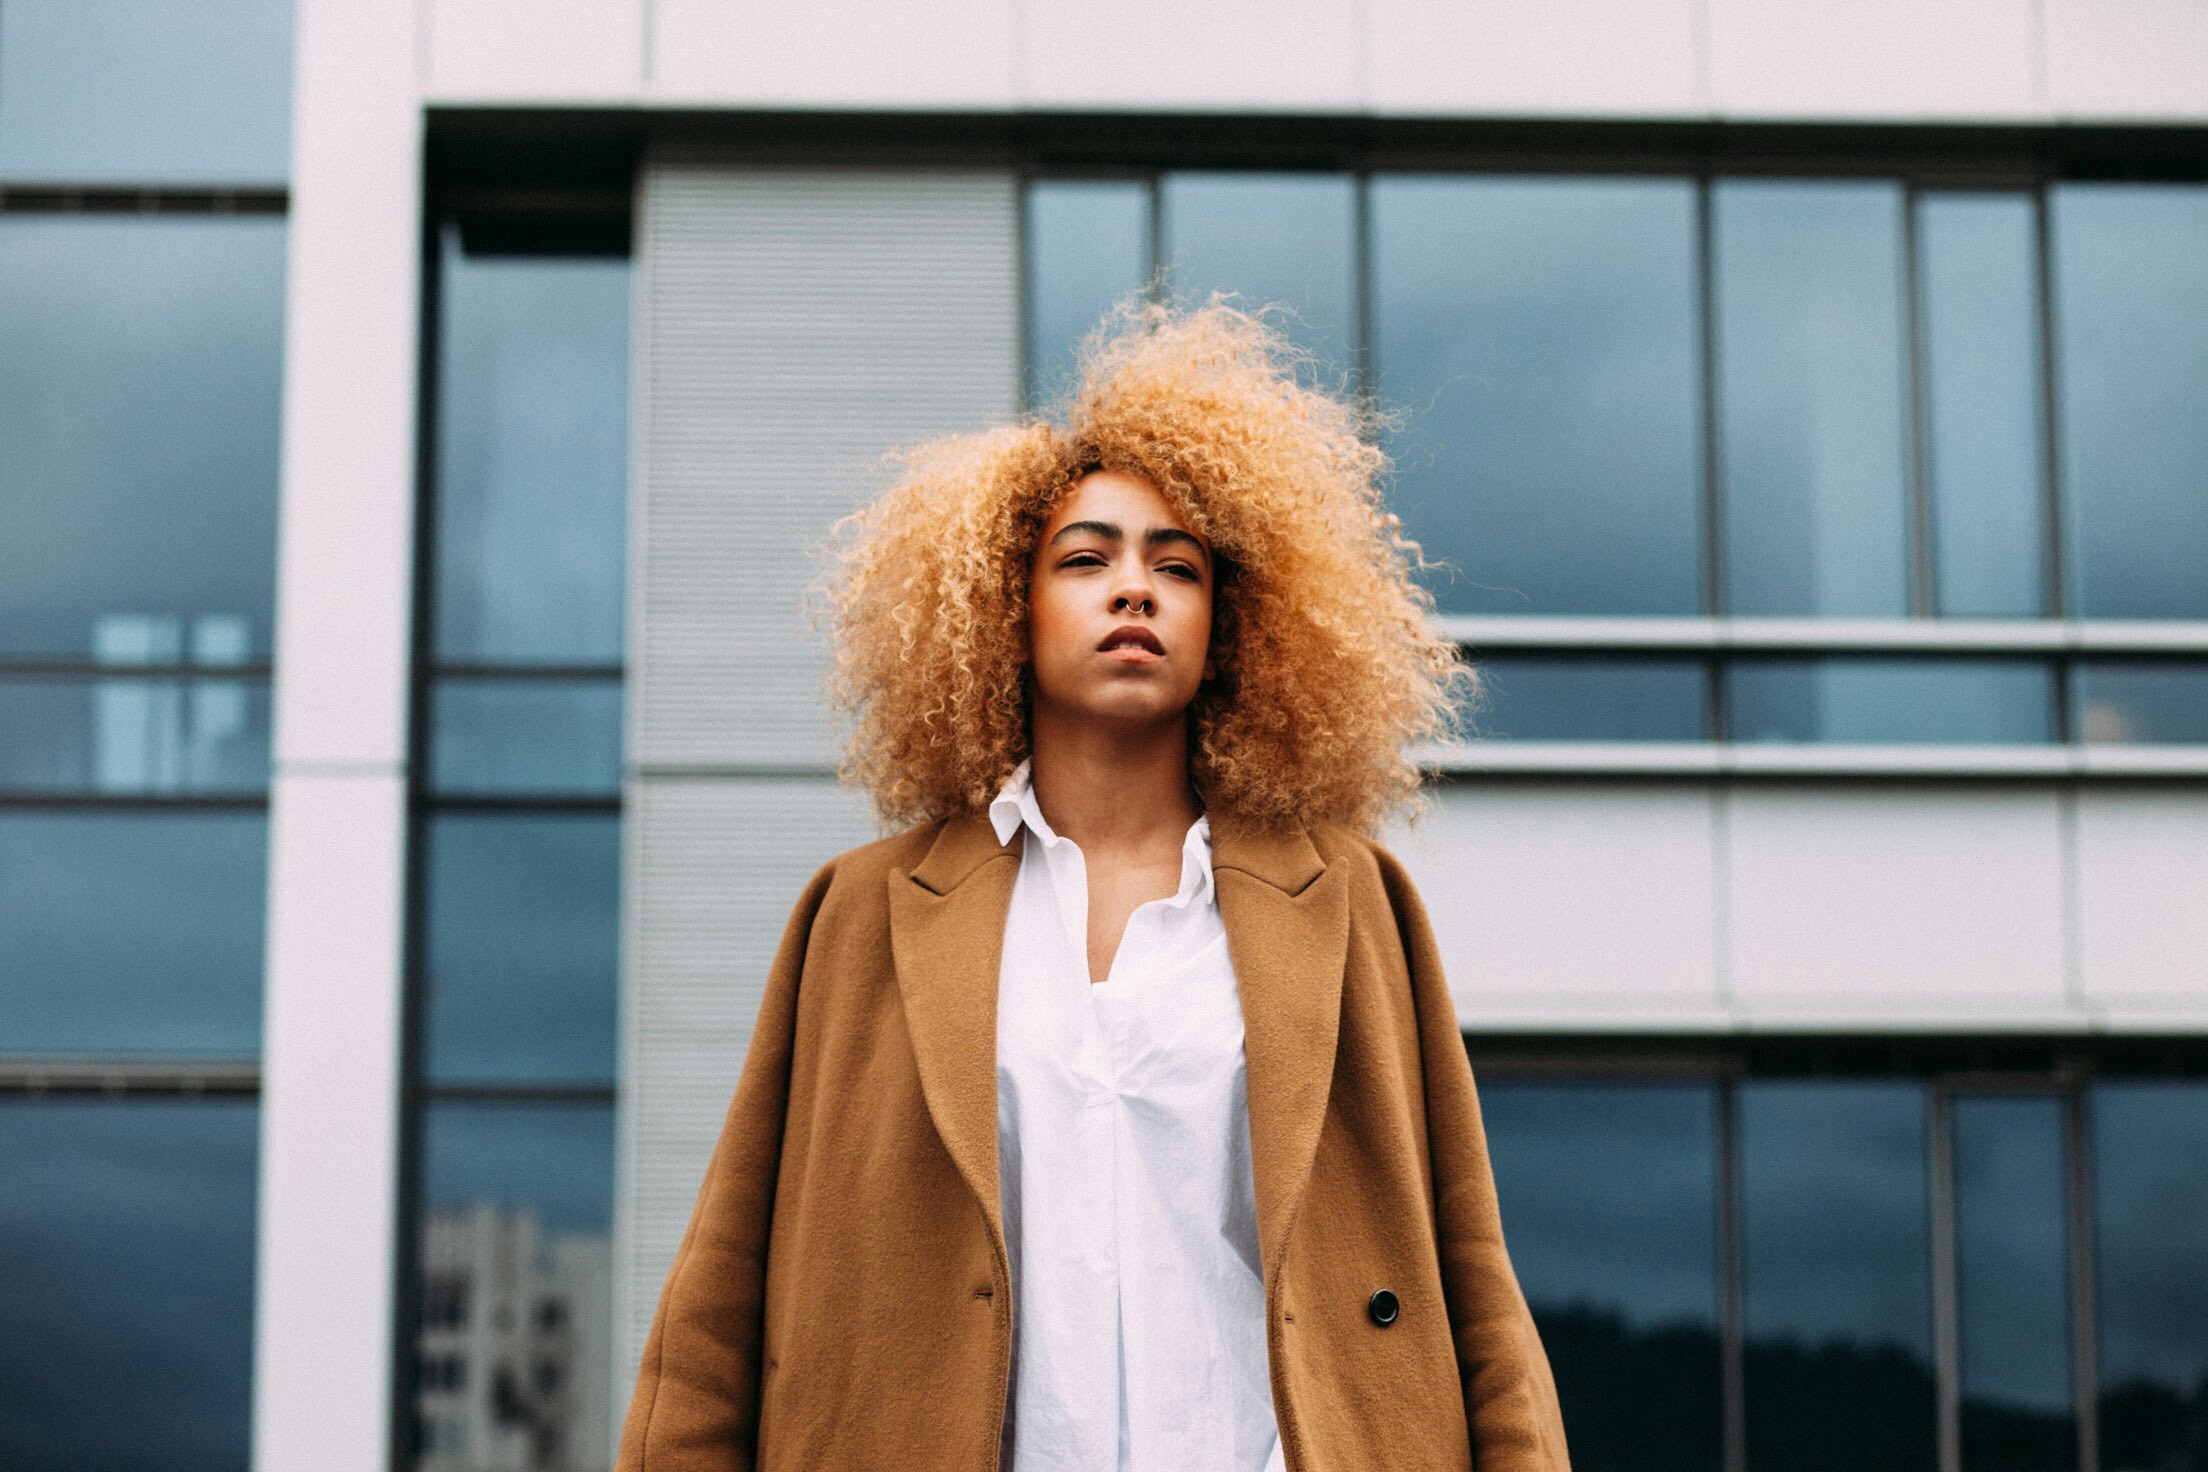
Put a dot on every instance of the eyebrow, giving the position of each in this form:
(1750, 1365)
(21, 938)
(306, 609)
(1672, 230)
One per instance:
(1157, 536)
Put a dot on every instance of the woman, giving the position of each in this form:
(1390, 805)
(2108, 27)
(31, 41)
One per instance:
(1113, 1114)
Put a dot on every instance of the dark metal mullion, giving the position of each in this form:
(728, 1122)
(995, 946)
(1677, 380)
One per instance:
(1364, 338)
(1924, 576)
(518, 1093)
(2084, 1348)
(1155, 287)
(1732, 1341)
(1713, 562)
(2056, 598)
(1946, 1290)
(522, 670)
(1023, 284)
(89, 669)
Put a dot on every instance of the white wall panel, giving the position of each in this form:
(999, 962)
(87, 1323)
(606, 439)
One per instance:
(711, 869)
(834, 53)
(533, 50)
(1243, 55)
(2144, 59)
(1875, 58)
(792, 326)
(2143, 905)
(1897, 907)
(1580, 57)
(1577, 906)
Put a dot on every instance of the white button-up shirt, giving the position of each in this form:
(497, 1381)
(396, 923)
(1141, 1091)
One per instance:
(1130, 1212)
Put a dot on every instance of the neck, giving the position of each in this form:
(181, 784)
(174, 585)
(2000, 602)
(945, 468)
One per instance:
(1111, 789)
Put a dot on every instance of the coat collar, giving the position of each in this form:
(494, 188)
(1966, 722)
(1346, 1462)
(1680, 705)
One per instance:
(1287, 924)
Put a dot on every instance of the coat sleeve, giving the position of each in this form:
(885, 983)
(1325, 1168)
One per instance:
(1509, 1394)
(696, 1405)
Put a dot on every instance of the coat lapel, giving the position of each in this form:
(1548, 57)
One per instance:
(946, 932)
(1287, 924)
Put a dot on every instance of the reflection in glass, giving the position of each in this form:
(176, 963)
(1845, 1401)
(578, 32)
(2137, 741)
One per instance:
(514, 1355)
(2131, 325)
(133, 735)
(546, 737)
(531, 456)
(1855, 699)
(1836, 1277)
(1088, 245)
(126, 1283)
(2150, 1198)
(1270, 237)
(1978, 279)
(1810, 365)
(139, 396)
(1610, 1214)
(1541, 333)
(1532, 698)
(2150, 700)
(523, 926)
(2013, 1285)
(153, 92)
(125, 932)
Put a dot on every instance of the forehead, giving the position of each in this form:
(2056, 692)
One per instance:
(1129, 501)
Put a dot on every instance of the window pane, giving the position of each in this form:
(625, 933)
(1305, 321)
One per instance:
(145, 91)
(1542, 335)
(2150, 1197)
(1271, 237)
(132, 932)
(1609, 1206)
(140, 363)
(527, 736)
(523, 929)
(1836, 1277)
(1978, 275)
(514, 1361)
(1590, 699)
(126, 1234)
(1810, 392)
(2013, 1283)
(1088, 245)
(532, 470)
(1890, 700)
(2131, 323)
(2142, 700)
(121, 735)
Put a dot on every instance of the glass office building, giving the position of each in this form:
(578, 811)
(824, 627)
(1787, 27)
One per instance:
(416, 427)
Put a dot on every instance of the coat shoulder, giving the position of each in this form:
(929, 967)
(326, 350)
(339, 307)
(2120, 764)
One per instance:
(1369, 862)
(860, 874)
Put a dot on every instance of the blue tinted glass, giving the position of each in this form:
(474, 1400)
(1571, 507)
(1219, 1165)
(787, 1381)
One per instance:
(1978, 276)
(517, 1282)
(140, 363)
(527, 736)
(1609, 1203)
(2013, 1284)
(1811, 387)
(523, 929)
(532, 469)
(145, 91)
(2141, 700)
(1890, 700)
(2150, 1201)
(1589, 699)
(121, 735)
(1836, 1276)
(126, 1284)
(132, 932)
(2131, 326)
(1541, 334)
(1088, 245)
(1270, 237)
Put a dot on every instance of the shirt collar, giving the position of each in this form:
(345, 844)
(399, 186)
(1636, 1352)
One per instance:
(1015, 804)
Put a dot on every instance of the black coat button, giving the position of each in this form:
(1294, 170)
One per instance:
(1382, 1306)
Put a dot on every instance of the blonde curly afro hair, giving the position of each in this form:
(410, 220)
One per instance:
(1328, 669)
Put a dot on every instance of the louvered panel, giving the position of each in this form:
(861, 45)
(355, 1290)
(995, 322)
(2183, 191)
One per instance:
(711, 871)
(794, 325)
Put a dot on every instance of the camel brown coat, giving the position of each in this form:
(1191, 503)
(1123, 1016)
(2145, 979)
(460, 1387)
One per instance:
(840, 1299)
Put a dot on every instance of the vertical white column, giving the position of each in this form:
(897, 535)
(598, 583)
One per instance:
(337, 821)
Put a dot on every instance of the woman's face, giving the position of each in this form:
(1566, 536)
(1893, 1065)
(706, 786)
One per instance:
(1119, 605)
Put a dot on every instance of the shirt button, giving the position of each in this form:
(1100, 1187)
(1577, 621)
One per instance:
(1382, 1306)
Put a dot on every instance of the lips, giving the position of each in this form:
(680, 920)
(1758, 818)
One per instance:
(1131, 636)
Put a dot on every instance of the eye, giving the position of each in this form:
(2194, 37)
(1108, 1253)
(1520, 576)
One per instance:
(1082, 559)
(1183, 570)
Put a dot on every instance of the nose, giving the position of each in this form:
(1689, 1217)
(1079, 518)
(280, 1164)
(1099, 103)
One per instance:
(1134, 594)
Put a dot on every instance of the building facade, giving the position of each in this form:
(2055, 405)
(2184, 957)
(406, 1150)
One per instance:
(418, 427)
